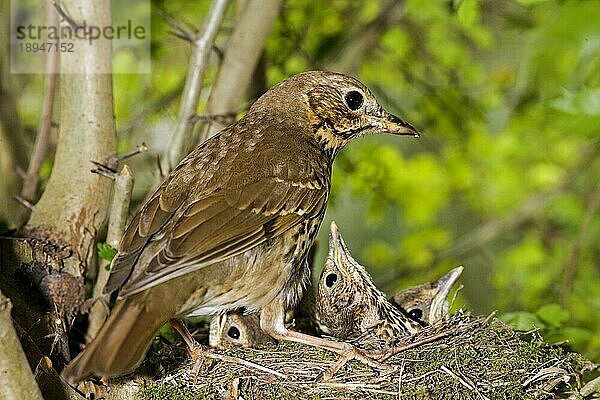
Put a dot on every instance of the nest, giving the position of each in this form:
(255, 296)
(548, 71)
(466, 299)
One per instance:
(465, 357)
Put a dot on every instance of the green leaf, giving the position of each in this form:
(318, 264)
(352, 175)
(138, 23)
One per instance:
(585, 102)
(468, 12)
(106, 251)
(553, 315)
(522, 320)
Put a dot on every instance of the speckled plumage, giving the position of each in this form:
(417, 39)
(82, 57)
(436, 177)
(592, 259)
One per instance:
(427, 303)
(231, 225)
(348, 305)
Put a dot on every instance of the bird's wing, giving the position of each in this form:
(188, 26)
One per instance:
(187, 234)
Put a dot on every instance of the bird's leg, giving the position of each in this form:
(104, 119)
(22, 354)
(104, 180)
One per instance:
(196, 352)
(272, 322)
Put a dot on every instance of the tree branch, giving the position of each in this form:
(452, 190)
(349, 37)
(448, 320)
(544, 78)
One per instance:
(179, 142)
(116, 226)
(243, 52)
(45, 125)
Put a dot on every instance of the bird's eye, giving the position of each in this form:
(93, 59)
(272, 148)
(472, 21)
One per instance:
(415, 313)
(354, 99)
(233, 333)
(330, 280)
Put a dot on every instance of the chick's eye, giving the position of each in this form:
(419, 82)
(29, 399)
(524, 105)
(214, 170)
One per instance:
(415, 313)
(354, 99)
(233, 332)
(330, 280)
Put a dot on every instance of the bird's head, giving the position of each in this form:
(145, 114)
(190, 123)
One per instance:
(428, 302)
(235, 329)
(337, 107)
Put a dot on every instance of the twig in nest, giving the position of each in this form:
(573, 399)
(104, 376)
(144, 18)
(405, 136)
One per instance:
(463, 382)
(246, 363)
(399, 349)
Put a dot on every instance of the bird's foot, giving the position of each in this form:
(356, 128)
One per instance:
(195, 350)
(352, 353)
(198, 354)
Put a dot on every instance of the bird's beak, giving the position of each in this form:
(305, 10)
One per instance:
(337, 248)
(439, 304)
(396, 126)
(336, 243)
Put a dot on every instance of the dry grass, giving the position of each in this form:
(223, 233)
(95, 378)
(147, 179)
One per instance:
(464, 358)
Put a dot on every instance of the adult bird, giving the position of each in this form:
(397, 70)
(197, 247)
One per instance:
(230, 227)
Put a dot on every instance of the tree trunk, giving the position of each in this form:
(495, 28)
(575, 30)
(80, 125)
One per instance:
(74, 204)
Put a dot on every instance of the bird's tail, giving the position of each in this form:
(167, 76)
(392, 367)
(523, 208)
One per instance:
(121, 344)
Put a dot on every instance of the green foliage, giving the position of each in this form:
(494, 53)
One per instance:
(106, 251)
(505, 177)
(552, 322)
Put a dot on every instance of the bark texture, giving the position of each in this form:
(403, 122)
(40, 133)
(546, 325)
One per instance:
(74, 204)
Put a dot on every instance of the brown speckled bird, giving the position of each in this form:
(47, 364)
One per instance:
(348, 305)
(234, 328)
(428, 302)
(230, 227)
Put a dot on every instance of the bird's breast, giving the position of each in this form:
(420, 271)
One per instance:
(254, 278)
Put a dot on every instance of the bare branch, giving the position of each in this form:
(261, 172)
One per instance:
(65, 16)
(241, 57)
(40, 148)
(201, 48)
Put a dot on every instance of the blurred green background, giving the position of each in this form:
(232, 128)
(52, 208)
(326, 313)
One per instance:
(505, 179)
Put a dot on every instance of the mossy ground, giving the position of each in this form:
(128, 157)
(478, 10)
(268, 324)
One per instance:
(470, 358)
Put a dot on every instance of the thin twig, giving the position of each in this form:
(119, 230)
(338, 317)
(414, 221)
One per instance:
(179, 31)
(25, 203)
(201, 48)
(42, 139)
(115, 160)
(66, 17)
(246, 363)
(463, 382)
(399, 349)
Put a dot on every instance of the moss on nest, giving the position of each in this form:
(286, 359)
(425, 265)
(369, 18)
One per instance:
(470, 358)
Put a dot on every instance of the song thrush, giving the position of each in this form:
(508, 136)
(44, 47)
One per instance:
(230, 227)
(234, 328)
(348, 305)
(428, 302)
